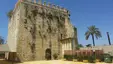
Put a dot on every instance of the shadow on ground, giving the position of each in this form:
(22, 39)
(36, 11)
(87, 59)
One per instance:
(2, 61)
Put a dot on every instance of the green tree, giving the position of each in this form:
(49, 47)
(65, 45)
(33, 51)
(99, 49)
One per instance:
(93, 31)
(79, 46)
(1, 40)
(88, 45)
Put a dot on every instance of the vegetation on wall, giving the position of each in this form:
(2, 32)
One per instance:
(9, 14)
(46, 14)
(49, 15)
(30, 15)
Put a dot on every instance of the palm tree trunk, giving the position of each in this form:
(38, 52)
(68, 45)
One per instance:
(108, 38)
(93, 40)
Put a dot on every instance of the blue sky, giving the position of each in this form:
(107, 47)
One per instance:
(84, 13)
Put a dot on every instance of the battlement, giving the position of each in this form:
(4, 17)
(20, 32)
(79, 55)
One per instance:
(49, 5)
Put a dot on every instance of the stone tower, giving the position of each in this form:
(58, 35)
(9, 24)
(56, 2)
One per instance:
(37, 30)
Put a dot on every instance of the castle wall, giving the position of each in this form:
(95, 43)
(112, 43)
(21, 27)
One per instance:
(13, 30)
(106, 48)
(38, 29)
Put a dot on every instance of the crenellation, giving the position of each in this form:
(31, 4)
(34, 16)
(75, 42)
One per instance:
(50, 7)
(49, 4)
(35, 1)
(53, 6)
(39, 3)
(44, 2)
(57, 7)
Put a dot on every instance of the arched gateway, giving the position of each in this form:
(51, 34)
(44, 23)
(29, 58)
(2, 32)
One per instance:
(48, 54)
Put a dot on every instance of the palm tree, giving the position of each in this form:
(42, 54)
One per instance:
(108, 38)
(93, 31)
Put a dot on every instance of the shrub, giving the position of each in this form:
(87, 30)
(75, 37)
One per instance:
(81, 55)
(85, 57)
(75, 57)
(91, 58)
(55, 56)
(68, 57)
(2, 55)
(101, 57)
(107, 58)
(80, 58)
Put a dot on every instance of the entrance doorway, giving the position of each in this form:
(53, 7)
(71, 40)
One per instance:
(48, 54)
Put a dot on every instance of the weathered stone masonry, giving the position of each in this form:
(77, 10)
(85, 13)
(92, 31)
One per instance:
(36, 28)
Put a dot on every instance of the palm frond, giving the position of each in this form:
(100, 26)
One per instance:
(98, 34)
(87, 34)
(93, 30)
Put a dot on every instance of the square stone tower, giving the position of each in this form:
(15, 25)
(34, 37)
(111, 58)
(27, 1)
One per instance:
(37, 30)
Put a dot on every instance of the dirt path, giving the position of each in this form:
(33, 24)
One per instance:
(49, 62)
(52, 62)
(59, 62)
